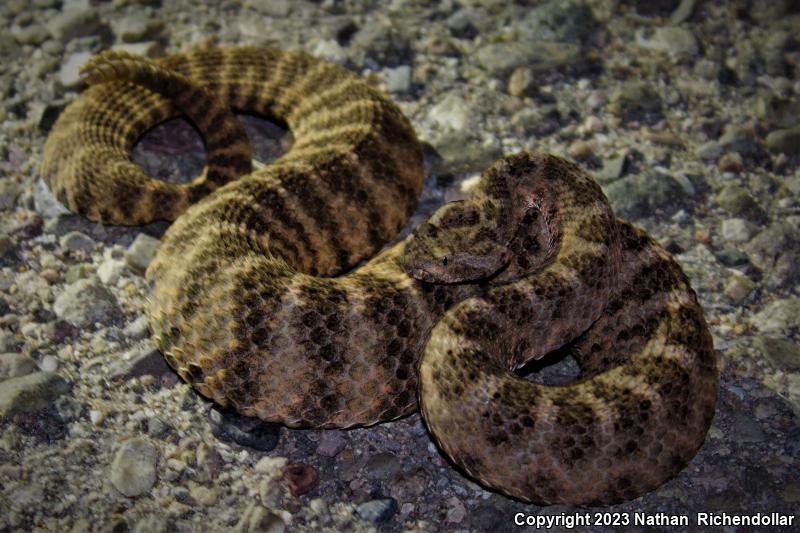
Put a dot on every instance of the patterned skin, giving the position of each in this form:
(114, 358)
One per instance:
(244, 310)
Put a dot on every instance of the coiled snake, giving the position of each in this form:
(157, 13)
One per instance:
(245, 308)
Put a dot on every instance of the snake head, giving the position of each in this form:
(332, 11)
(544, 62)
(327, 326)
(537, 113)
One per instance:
(459, 243)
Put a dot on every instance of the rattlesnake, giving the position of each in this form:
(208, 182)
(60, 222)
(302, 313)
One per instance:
(244, 308)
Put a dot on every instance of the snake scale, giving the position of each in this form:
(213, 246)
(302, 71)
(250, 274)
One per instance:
(256, 303)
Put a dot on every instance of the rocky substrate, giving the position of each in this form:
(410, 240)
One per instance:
(688, 113)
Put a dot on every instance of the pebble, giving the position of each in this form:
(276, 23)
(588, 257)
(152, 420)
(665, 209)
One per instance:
(9, 191)
(642, 195)
(580, 150)
(300, 478)
(683, 12)
(462, 153)
(737, 230)
(785, 141)
(778, 316)
(158, 428)
(73, 23)
(86, 302)
(730, 162)
(208, 463)
(746, 428)
(500, 59)
(13, 365)
(30, 393)
(569, 21)
(709, 151)
(382, 44)
(69, 75)
(331, 442)
(522, 83)
(138, 26)
(456, 511)
(137, 329)
(330, 50)
(382, 465)
(76, 241)
(398, 79)
(739, 138)
(738, 288)
(452, 112)
(133, 471)
(776, 251)
(613, 168)
(112, 267)
(33, 34)
(145, 360)
(259, 519)
(739, 202)
(677, 41)
(781, 352)
(230, 426)
(49, 363)
(140, 252)
(635, 101)
(378, 510)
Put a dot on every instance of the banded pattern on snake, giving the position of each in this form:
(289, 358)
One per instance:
(244, 307)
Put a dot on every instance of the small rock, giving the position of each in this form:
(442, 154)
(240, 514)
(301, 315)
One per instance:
(272, 8)
(14, 365)
(785, 141)
(300, 478)
(730, 162)
(30, 393)
(138, 329)
(456, 512)
(398, 79)
(738, 288)
(74, 273)
(73, 23)
(746, 429)
(500, 59)
(779, 316)
(570, 21)
(158, 428)
(143, 360)
(709, 151)
(49, 363)
(683, 12)
(33, 34)
(208, 463)
(382, 44)
(151, 49)
(271, 466)
(522, 83)
(635, 101)
(377, 511)
(331, 443)
(112, 267)
(69, 74)
(613, 168)
(738, 202)
(206, 496)
(776, 251)
(382, 466)
(677, 41)
(643, 195)
(330, 50)
(140, 252)
(133, 471)
(8, 252)
(737, 230)
(739, 138)
(580, 150)
(151, 524)
(9, 191)
(138, 26)
(86, 302)
(75, 241)
(463, 153)
(259, 519)
(227, 425)
(451, 112)
(780, 351)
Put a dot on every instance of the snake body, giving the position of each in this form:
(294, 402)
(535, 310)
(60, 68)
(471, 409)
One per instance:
(245, 309)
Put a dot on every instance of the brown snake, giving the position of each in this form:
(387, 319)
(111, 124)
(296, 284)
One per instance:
(244, 308)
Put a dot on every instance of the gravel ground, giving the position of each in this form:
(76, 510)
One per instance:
(688, 112)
